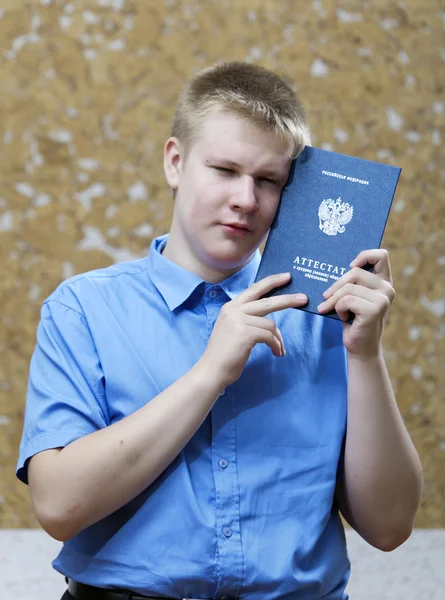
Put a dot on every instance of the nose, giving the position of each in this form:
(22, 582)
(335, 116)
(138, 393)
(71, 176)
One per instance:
(245, 197)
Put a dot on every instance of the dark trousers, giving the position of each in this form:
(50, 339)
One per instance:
(86, 592)
(91, 594)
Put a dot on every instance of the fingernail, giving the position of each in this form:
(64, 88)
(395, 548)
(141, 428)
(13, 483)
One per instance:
(352, 264)
(284, 275)
(300, 297)
(327, 293)
(321, 306)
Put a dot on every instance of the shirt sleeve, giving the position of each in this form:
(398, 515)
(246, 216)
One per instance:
(66, 387)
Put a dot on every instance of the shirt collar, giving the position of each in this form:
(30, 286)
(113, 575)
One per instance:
(176, 284)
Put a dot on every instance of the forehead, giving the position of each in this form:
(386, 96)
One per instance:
(229, 136)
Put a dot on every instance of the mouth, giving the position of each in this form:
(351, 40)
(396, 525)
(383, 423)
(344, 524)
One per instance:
(239, 226)
(238, 230)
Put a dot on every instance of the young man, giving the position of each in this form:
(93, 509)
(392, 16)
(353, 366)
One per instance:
(187, 438)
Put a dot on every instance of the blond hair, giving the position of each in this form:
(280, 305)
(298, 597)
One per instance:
(252, 92)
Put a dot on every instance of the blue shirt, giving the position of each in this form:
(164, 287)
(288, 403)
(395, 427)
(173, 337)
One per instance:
(246, 509)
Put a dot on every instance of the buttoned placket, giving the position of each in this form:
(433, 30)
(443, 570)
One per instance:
(227, 500)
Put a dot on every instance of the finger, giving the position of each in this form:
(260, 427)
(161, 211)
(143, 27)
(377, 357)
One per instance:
(264, 336)
(265, 306)
(364, 278)
(268, 324)
(379, 258)
(375, 297)
(258, 289)
(360, 307)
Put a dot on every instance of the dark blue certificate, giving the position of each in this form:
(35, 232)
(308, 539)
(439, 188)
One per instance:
(332, 207)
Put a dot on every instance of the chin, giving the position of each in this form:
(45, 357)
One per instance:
(222, 253)
(228, 260)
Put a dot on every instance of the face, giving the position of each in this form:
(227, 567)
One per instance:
(227, 192)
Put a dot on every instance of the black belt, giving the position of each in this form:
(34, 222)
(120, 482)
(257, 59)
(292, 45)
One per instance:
(81, 591)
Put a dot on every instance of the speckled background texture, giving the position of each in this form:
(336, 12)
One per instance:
(88, 89)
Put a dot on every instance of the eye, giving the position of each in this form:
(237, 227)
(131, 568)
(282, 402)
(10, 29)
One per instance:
(268, 180)
(225, 170)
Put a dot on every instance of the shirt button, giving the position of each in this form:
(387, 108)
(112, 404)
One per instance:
(213, 293)
(223, 463)
(227, 532)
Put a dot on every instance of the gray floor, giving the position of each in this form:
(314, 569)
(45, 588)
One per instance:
(415, 571)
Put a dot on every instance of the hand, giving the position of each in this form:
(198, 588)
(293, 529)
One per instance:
(241, 325)
(369, 296)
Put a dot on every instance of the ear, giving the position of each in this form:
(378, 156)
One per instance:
(173, 155)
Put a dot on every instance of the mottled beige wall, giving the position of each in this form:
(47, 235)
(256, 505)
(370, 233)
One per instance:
(87, 91)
